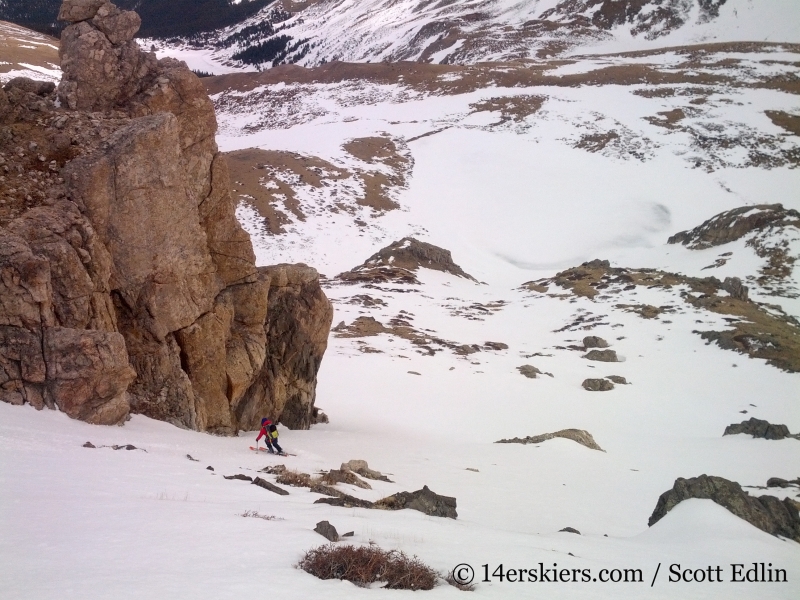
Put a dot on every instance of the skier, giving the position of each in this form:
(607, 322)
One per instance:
(270, 433)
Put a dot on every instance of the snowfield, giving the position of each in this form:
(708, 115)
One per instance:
(519, 182)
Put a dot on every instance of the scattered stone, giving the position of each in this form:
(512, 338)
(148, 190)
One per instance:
(209, 468)
(529, 371)
(569, 530)
(473, 470)
(759, 428)
(414, 373)
(617, 379)
(270, 486)
(495, 345)
(335, 476)
(346, 501)
(592, 341)
(190, 457)
(424, 500)
(597, 385)
(576, 435)
(240, 477)
(89, 445)
(361, 468)
(126, 447)
(327, 531)
(768, 513)
(349, 534)
(602, 355)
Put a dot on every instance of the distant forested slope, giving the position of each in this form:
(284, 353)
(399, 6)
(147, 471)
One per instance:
(160, 18)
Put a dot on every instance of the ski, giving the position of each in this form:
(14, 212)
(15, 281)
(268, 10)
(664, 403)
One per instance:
(275, 453)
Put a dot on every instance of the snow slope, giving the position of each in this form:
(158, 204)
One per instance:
(518, 181)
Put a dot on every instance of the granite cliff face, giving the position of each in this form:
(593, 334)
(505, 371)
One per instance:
(126, 283)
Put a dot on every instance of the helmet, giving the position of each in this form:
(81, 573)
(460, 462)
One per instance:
(264, 421)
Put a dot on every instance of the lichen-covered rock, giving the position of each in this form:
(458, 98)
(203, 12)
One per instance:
(597, 385)
(768, 513)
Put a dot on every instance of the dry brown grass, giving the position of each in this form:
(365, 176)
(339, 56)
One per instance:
(363, 565)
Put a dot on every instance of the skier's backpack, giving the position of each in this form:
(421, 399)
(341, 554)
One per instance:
(273, 431)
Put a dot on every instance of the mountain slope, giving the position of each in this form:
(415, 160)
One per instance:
(470, 31)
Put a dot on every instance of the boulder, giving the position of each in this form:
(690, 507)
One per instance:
(31, 86)
(759, 428)
(617, 379)
(361, 468)
(768, 513)
(569, 530)
(335, 476)
(602, 355)
(592, 341)
(263, 483)
(327, 531)
(73, 11)
(119, 26)
(597, 385)
(733, 285)
(424, 500)
(88, 374)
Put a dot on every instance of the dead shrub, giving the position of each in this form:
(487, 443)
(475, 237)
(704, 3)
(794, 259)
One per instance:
(294, 478)
(363, 565)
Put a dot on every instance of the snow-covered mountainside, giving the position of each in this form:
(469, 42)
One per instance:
(469, 31)
(624, 236)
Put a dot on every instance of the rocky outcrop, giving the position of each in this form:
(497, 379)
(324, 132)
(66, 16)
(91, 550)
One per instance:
(581, 436)
(733, 224)
(768, 513)
(759, 428)
(299, 317)
(399, 262)
(127, 283)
